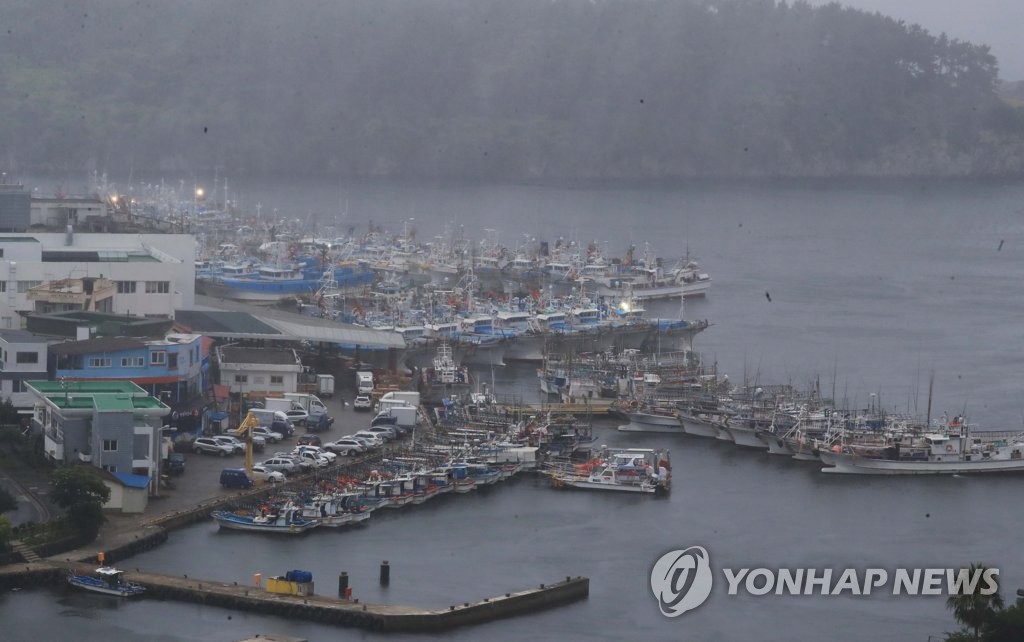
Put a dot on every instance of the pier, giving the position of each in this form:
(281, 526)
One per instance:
(319, 608)
(597, 407)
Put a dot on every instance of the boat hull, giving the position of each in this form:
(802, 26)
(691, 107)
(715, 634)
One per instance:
(746, 437)
(844, 463)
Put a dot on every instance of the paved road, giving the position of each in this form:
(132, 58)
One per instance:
(30, 508)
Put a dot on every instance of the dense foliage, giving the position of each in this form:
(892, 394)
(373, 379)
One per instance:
(492, 88)
(80, 490)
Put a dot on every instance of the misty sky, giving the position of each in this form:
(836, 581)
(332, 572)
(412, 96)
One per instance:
(996, 23)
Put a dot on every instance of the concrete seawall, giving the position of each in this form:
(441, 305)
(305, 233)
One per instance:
(317, 608)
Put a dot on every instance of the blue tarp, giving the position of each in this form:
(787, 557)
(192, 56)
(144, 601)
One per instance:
(132, 481)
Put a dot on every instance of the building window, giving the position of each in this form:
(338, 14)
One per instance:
(172, 360)
(26, 357)
(1, 252)
(3, 286)
(158, 287)
(276, 380)
(109, 445)
(25, 286)
(99, 362)
(158, 357)
(126, 287)
(109, 468)
(241, 378)
(132, 362)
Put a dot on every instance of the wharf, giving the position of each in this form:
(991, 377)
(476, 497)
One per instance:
(330, 610)
(596, 407)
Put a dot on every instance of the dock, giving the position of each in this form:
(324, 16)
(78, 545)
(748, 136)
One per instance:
(596, 407)
(319, 608)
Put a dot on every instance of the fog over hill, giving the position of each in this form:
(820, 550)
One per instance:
(525, 90)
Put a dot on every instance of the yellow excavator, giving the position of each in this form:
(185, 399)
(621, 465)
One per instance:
(245, 429)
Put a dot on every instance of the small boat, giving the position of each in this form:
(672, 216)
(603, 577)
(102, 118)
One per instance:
(286, 520)
(633, 470)
(107, 580)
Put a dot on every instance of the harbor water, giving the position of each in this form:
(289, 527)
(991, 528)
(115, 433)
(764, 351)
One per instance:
(868, 288)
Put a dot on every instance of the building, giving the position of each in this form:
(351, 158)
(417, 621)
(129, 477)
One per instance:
(87, 294)
(22, 358)
(15, 206)
(169, 368)
(112, 425)
(59, 212)
(151, 274)
(247, 370)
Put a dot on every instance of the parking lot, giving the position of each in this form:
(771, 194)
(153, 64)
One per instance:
(201, 479)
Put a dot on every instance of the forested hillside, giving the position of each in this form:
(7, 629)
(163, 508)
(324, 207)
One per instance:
(524, 89)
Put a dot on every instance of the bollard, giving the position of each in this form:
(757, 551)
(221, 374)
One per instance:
(385, 573)
(342, 584)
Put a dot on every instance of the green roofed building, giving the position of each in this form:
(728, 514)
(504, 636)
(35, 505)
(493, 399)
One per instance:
(113, 425)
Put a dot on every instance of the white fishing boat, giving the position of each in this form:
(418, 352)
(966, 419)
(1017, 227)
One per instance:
(943, 455)
(633, 470)
(107, 580)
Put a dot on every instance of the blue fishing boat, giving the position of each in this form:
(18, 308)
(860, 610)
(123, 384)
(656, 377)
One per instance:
(287, 519)
(107, 580)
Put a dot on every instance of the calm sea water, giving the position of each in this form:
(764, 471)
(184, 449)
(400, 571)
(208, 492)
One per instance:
(873, 288)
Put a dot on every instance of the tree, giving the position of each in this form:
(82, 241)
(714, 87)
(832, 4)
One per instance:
(7, 501)
(974, 610)
(5, 531)
(80, 490)
(1006, 625)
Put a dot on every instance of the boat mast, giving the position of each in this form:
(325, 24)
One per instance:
(928, 418)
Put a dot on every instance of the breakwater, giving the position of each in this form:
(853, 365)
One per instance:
(319, 608)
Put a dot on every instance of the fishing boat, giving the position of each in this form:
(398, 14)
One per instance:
(942, 454)
(287, 519)
(633, 470)
(107, 580)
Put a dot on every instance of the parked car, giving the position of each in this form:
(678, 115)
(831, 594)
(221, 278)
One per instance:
(316, 459)
(297, 416)
(366, 443)
(175, 463)
(321, 424)
(235, 478)
(285, 465)
(362, 402)
(211, 446)
(259, 471)
(387, 433)
(318, 450)
(267, 434)
(345, 446)
(373, 438)
(237, 447)
(303, 464)
(309, 440)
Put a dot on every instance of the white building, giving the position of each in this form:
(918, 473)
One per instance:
(22, 358)
(154, 274)
(258, 370)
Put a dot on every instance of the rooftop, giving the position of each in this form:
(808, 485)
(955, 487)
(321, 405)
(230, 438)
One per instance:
(20, 336)
(266, 356)
(94, 346)
(110, 386)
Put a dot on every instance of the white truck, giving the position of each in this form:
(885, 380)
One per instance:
(364, 382)
(310, 403)
(325, 385)
(403, 406)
